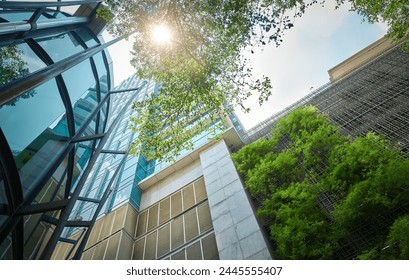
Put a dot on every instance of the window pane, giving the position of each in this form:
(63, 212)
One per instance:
(163, 240)
(139, 249)
(141, 229)
(188, 197)
(194, 251)
(16, 16)
(209, 248)
(60, 46)
(164, 210)
(153, 217)
(35, 135)
(191, 230)
(176, 204)
(200, 190)
(80, 83)
(177, 232)
(83, 108)
(102, 74)
(18, 61)
(205, 220)
(87, 37)
(150, 249)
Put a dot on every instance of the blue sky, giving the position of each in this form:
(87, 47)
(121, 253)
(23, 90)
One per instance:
(321, 39)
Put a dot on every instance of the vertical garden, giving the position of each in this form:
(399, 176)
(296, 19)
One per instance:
(324, 195)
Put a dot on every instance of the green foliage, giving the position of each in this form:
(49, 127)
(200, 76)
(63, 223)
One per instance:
(12, 67)
(251, 155)
(396, 245)
(202, 67)
(398, 238)
(304, 166)
(105, 13)
(300, 229)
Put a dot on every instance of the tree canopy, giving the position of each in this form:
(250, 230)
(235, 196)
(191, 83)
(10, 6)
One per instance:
(321, 192)
(202, 67)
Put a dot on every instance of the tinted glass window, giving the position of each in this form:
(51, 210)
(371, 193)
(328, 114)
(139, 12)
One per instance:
(59, 46)
(80, 83)
(16, 62)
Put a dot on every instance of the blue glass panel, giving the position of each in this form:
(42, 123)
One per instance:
(16, 62)
(60, 46)
(14, 16)
(102, 74)
(80, 83)
(55, 14)
(23, 122)
(136, 197)
(87, 37)
(31, 131)
(121, 195)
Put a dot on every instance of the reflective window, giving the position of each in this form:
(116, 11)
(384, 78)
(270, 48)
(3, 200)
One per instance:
(60, 46)
(80, 83)
(30, 130)
(54, 14)
(87, 37)
(122, 195)
(14, 16)
(102, 74)
(83, 108)
(16, 62)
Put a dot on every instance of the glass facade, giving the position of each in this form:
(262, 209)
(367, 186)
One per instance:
(42, 127)
(51, 133)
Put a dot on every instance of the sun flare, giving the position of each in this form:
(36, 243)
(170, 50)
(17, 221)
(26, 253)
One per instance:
(161, 34)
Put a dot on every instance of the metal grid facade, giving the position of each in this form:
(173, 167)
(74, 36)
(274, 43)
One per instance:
(373, 98)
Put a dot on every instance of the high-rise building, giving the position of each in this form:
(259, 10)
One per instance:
(64, 162)
(188, 209)
(55, 87)
(68, 187)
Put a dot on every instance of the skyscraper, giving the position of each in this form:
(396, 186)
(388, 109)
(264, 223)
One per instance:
(167, 210)
(57, 113)
(56, 79)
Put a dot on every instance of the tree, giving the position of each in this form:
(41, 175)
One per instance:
(202, 67)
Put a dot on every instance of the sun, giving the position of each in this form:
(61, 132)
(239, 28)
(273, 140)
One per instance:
(161, 34)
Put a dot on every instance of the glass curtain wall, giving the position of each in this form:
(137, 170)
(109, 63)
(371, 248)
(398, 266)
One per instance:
(42, 128)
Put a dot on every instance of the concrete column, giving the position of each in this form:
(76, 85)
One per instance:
(238, 235)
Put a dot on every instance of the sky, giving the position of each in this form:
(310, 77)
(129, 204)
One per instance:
(320, 40)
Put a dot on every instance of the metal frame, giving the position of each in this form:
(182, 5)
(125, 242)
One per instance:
(17, 207)
(63, 219)
(33, 5)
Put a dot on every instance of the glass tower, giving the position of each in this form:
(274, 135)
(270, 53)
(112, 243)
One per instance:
(55, 88)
